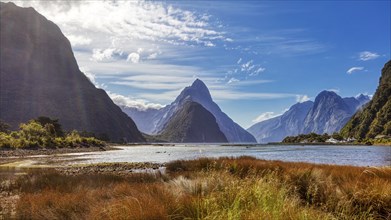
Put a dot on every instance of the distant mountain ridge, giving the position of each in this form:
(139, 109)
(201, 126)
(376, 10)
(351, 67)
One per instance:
(327, 114)
(375, 118)
(39, 76)
(198, 92)
(192, 124)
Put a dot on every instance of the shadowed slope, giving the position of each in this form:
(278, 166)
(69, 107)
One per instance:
(39, 76)
(193, 123)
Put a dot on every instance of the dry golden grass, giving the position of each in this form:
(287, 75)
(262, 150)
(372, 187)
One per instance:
(225, 188)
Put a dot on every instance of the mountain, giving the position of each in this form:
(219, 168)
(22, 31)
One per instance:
(192, 124)
(39, 76)
(327, 114)
(197, 92)
(144, 118)
(288, 124)
(375, 118)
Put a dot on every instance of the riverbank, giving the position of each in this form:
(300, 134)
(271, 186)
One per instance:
(242, 188)
(9, 152)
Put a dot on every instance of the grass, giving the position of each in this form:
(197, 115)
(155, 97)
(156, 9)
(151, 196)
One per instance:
(225, 188)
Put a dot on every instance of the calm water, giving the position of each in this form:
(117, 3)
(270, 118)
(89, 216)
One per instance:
(342, 155)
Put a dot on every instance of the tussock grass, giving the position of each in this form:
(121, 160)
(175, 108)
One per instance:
(225, 188)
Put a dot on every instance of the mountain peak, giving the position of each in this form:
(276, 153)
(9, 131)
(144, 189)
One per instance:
(361, 97)
(198, 90)
(198, 84)
(327, 93)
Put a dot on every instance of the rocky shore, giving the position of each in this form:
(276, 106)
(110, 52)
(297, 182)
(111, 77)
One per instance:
(4, 153)
(121, 169)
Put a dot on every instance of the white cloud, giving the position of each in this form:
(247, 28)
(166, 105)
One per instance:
(354, 69)
(233, 80)
(152, 56)
(132, 102)
(140, 50)
(258, 71)
(249, 68)
(146, 20)
(225, 94)
(245, 66)
(78, 40)
(133, 57)
(151, 85)
(236, 82)
(265, 116)
(109, 54)
(302, 98)
(367, 55)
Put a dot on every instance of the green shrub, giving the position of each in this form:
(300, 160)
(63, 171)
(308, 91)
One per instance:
(5, 140)
(42, 134)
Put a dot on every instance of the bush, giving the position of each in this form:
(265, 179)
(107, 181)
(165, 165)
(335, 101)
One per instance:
(5, 140)
(42, 134)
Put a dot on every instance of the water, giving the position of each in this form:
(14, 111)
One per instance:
(341, 155)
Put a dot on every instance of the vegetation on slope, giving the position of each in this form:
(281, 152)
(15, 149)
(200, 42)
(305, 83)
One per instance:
(43, 132)
(225, 188)
(375, 118)
(312, 138)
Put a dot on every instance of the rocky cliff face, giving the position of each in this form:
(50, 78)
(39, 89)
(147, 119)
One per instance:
(375, 118)
(192, 123)
(39, 76)
(328, 114)
(288, 124)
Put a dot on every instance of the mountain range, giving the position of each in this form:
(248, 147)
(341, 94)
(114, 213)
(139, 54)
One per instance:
(375, 118)
(154, 121)
(39, 76)
(327, 114)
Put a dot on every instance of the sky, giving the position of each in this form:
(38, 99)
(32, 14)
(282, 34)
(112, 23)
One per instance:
(258, 58)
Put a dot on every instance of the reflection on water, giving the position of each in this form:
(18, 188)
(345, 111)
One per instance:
(342, 155)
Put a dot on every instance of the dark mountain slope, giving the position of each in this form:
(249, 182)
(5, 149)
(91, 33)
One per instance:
(192, 124)
(39, 76)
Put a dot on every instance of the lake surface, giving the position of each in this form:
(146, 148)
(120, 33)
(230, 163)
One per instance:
(341, 155)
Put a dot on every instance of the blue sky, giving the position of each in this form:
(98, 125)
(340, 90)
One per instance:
(257, 57)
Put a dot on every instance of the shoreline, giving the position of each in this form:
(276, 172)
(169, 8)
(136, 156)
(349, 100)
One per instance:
(21, 153)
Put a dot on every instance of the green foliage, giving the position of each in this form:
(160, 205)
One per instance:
(337, 136)
(307, 138)
(375, 118)
(41, 133)
(4, 127)
(53, 122)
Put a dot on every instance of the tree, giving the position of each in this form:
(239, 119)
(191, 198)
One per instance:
(56, 125)
(4, 127)
(337, 136)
